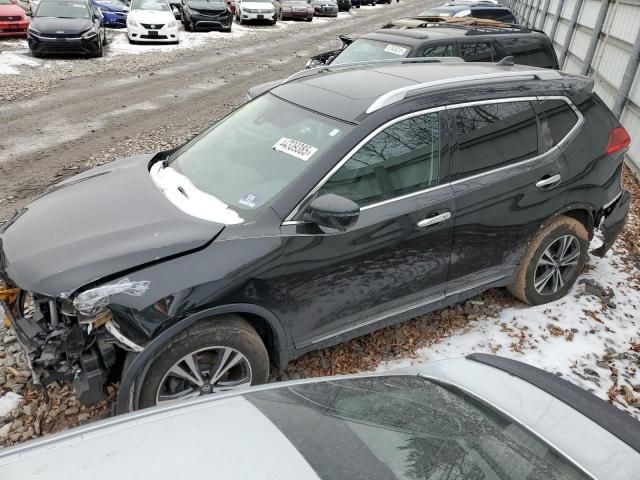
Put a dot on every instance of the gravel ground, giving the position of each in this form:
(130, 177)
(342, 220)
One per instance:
(54, 128)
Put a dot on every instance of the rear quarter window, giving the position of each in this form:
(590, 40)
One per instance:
(530, 51)
(478, 52)
(559, 119)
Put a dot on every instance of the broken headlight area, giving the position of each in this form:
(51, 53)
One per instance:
(62, 345)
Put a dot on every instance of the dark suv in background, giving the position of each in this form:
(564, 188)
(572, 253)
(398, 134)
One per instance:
(340, 202)
(476, 41)
(485, 10)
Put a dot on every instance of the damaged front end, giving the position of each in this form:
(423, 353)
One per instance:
(68, 340)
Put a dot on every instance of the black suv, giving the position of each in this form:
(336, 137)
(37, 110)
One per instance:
(338, 203)
(484, 10)
(474, 42)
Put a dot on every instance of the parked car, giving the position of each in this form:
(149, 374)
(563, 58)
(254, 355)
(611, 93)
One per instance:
(343, 201)
(249, 10)
(13, 19)
(324, 8)
(67, 27)
(152, 21)
(356, 3)
(482, 417)
(411, 37)
(292, 9)
(344, 5)
(206, 15)
(368, 2)
(114, 12)
(485, 10)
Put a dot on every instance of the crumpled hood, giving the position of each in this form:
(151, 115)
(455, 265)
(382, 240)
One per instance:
(69, 26)
(103, 222)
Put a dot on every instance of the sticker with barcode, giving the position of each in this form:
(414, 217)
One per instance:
(293, 147)
(396, 50)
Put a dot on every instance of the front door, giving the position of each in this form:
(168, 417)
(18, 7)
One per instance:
(395, 257)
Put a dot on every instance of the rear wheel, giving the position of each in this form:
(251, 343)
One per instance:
(552, 262)
(218, 356)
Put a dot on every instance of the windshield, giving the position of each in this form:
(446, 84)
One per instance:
(154, 5)
(253, 154)
(365, 49)
(406, 428)
(59, 9)
(6, 2)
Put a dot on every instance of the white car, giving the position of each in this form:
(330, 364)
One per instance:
(151, 21)
(256, 10)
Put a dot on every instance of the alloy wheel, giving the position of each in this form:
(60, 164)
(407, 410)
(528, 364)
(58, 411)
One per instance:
(205, 371)
(557, 265)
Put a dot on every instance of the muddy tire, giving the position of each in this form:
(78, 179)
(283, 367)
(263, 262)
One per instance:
(217, 356)
(552, 262)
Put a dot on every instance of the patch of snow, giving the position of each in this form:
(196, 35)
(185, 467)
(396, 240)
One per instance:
(10, 60)
(8, 403)
(568, 337)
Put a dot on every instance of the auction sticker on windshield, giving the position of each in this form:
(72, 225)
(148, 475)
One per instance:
(293, 147)
(396, 50)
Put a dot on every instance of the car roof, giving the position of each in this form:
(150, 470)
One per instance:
(469, 6)
(195, 438)
(417, 36)
(347, 93)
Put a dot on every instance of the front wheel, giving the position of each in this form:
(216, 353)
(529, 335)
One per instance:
(222, 355)
(551, 262)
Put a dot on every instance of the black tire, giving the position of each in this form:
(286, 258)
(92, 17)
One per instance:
(230, 331)
(533, 267)
(310, 19)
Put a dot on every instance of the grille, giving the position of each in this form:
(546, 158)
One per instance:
(152, 26)
(154, 37)
(59, 35)
(10, 19)
(210, 13)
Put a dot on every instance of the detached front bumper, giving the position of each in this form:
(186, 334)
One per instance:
(212, 22)
(611, 222)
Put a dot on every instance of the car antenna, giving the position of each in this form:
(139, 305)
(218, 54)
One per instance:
(506, 62)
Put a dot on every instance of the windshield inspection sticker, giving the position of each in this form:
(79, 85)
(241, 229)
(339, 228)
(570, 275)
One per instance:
(297, 149)
(249, 200)
(396, 50)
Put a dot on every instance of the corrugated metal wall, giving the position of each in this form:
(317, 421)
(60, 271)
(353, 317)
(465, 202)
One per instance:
(600, 38)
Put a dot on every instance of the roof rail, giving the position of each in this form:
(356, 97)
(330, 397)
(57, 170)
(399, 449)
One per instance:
(364, 63)
(400, 94)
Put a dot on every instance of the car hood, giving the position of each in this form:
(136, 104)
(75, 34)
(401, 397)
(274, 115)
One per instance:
(11, 11)
(66, 25)
(152, 16)
(207, 6)
(104, 222)
(257, 5)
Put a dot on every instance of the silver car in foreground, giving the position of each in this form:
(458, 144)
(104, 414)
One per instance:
(482, 417)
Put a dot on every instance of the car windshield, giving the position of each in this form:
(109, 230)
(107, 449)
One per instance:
(6, 2)
(365, 49)
(406, 428)
(154, 5)
(67, 9)
(249, 157)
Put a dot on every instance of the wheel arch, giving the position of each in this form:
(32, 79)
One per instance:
(267, 324)
(583, 212)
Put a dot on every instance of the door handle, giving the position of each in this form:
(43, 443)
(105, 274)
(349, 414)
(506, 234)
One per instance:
(435, 220)
(549, 182)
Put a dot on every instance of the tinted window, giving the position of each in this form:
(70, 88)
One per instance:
(406, 428)
(479, 52)
(530, 51)
(399, 160)
(494, 135)
(71, 9)
(435, 51)
(559, 121)
(497, 14)
(365, 49)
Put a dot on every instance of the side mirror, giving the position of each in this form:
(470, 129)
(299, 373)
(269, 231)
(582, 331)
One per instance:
(332, 211)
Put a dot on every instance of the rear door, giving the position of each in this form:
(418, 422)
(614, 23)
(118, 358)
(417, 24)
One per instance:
(506, 185)
(396, 257)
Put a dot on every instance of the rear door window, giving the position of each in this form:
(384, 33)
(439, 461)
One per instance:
(529, 51)
(494, 135)
(478, 52)
(442, 50)
(559, 118)
(402, 159)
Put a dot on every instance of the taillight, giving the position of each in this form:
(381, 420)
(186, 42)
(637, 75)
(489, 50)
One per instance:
(618, 140)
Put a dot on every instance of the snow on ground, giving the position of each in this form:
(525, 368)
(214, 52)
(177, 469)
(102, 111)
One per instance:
(8, 403)
(10, 60)
(588, 337)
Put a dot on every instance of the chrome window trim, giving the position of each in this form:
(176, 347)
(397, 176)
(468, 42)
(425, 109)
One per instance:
(557, 147)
